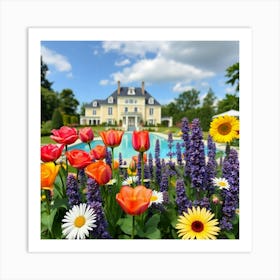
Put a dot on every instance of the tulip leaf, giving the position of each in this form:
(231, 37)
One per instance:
(60, 203)
(47, 219)
(152, 222)
(153, 233)
(126, 224)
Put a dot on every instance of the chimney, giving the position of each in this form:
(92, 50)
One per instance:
(143, 88)
(119, 87)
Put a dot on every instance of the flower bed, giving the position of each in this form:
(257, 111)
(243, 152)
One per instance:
(188, 195)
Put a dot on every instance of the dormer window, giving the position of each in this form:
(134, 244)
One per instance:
(110, 99)
(151, 100)
(94, 104)
(131, 91)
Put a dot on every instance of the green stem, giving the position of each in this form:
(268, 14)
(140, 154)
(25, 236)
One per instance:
(142, 167)
(89, 145)
(133, 226)
(66, 149)
(47, 202)
(63, 186)
(112, 148)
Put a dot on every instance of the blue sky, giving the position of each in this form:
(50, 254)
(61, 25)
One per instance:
(92, 68)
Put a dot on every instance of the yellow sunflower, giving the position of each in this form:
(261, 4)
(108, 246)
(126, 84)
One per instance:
(224, 129)
(197, 224)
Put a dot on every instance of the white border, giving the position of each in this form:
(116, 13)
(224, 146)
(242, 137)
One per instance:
(243, 35)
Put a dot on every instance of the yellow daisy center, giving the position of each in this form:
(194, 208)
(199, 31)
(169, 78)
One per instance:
(197, 226)
(153, 198)
(79, 221)
(224, 128)
(222, 184)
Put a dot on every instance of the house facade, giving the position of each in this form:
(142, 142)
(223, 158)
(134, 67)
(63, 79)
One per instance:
(126, 106)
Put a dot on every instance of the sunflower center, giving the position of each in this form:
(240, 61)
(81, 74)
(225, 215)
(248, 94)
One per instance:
(79, 221)
(197, 226)
(224, 128)
(153, 198)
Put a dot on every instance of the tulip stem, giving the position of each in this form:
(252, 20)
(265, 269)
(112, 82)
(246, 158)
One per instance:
(66, 149)
(89, 145)
(112, 164)
(133, 226)
(142, 167)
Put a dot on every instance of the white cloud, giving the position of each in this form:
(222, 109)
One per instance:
(55, 59)
(122, 62)
(95, 52)
(181, 87)
(159, 70)
(104, 82)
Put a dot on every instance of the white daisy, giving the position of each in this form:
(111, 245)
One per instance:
(78, 221)
(157, 198)
(221, 183)
(130, 180)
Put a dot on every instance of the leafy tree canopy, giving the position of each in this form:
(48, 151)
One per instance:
(233, 75)
(44, 81)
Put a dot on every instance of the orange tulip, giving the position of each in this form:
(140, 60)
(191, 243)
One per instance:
(135, 158)
(116, 164)
(112, 138)
(141, 141)
(49, 172)
(98, 152)
(134, 201)
(99, 171)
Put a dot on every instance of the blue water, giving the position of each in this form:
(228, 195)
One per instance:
(126, 147)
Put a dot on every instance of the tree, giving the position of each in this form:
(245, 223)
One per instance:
(57, 120)
(49, 101)
(44, 81)
(68, 103)
(209, 99)
(230, 102)
(233, 75)
(187, 100)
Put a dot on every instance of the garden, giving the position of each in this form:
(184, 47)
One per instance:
(192, 193)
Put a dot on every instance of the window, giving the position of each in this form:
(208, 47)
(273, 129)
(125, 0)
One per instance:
(151, 111)
(110, 111)
(94, 112)
(94, 104)
(135, 109)
(126, 101)
(151, 100)
(110, 99)
(131, 91)
(125, 109)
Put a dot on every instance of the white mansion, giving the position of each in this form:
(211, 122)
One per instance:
(126, 106)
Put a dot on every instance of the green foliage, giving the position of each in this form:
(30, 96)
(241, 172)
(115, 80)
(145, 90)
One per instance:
(68, 103)
(230, 102)
(57, 120)
(187, 100)
(45, 83)
(233, 75)
(49, 101)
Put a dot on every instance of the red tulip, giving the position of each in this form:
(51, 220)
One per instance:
(99, 152)
(86, 134)
(134, 201)
(112, 138)
(51, 152)
(78, 158)
(99, 171)
(141, 141)
(65, 135)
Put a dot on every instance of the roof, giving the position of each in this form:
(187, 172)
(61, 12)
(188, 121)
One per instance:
(124, 92)
(233, 113)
